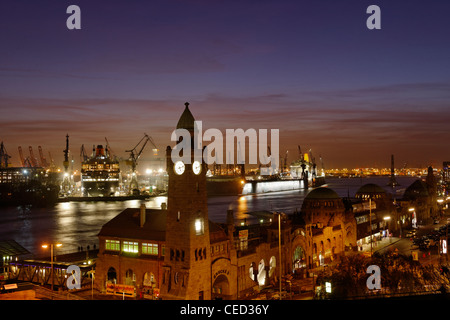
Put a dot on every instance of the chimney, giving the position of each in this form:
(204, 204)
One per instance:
(142, 215)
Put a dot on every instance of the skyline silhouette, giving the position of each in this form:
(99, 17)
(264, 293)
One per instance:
(312, 70)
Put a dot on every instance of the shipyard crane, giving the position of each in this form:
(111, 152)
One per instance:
(83, 156)
(23, 161)
(109, 151)
(43, 160)
(4, 157)
(33, 159)
(66, 183)
(134, 156)
(285, 161)
(312, 160)
(241, 162)
(52, 162)
(66, 154)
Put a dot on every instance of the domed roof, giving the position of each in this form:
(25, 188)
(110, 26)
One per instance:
(322, 193)
(186, 120)
(417, 189)
(370, 188)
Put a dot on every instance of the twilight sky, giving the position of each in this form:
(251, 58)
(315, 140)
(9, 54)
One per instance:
(309, 68)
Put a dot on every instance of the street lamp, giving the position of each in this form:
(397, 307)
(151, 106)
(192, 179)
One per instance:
(45, 246)
(279, 245)
(370, 222)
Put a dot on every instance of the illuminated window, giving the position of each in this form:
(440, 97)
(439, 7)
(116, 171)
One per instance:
(150, 248)
(199, 228)
(112, 245)
(129, 246)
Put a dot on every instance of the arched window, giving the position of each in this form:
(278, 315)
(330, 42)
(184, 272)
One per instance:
(272, 264)
(111, 275)
(149, 279)
(130, 277)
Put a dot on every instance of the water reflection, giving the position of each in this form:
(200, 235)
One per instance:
(77, 224)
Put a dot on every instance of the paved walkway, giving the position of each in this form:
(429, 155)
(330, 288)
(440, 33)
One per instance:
(378, 245)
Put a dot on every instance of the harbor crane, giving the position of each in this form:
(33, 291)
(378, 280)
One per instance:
(109, 151)
(44, 162)
(32, 158)
(66, 155)
(83, 156)
(134, 157)
(24, 161)
(285, 159)
(4, 157)
(66, 183)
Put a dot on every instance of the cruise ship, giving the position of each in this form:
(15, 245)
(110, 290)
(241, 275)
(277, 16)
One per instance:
(100, 174)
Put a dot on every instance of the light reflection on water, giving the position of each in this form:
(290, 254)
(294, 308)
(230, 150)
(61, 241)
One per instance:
(77, 224)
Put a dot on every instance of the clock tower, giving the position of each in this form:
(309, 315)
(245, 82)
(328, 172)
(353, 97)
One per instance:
(187, 260)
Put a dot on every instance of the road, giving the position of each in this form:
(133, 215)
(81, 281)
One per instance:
(405, 246)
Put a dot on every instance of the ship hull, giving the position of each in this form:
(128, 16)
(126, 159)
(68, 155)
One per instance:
(100, 188)
(224, 186)
(238, 186)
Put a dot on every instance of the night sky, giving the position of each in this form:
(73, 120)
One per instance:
(309, 68)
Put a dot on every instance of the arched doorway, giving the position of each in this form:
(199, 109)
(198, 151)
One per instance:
(112, 275)
(130, 278)
(299, 258)
(221, 288)
(273, 265)
(253, 272)
(258, 273)
(148, 285)
(149, 279)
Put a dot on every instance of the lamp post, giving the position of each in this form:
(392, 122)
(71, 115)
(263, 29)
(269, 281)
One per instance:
(45, 246)
(279, 245)
(370, 222)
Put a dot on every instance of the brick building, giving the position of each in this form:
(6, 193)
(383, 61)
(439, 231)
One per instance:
(178, 253)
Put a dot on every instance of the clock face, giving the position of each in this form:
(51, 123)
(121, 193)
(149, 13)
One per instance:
(179, 167)
(196, 167)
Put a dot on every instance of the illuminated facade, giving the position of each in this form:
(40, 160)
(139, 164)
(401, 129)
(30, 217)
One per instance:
(446, 171)
(177, 253)
(324, 229)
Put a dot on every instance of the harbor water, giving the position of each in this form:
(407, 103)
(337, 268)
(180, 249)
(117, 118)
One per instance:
(75, 224)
